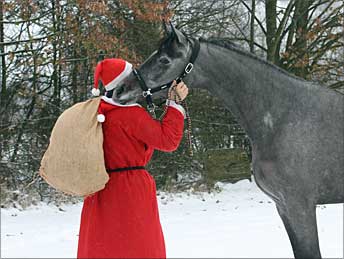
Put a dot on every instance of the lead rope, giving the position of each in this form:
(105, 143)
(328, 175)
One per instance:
(184, 104)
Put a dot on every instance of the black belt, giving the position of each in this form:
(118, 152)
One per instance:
(125, 169)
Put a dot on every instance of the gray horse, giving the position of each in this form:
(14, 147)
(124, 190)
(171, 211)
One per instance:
(295, 126)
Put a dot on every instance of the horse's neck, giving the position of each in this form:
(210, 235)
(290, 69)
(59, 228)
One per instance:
(248, 88)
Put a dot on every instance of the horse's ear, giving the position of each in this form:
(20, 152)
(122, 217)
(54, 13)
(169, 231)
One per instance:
(164, 25)
(173, 34)
(178, 35)
(169, 30)
(172, 28)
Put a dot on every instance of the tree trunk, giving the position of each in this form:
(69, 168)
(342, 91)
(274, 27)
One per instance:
(4, 141)
(300, 45)
(3, 59)
(271, 15)
(56, 50)
(32, 105)
(253, 13)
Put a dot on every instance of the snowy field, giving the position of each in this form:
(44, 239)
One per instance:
(240, 221)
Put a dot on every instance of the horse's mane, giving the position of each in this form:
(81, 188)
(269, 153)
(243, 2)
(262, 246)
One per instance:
(228, 44)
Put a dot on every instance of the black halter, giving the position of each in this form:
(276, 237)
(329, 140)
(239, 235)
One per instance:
(148, 92)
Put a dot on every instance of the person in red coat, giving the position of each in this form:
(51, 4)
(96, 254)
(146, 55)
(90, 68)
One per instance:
(122, 220)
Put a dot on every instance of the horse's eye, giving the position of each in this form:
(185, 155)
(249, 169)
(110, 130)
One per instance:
(164, 60)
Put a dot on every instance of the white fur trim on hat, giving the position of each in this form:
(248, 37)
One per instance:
(95, 91)
(101, 118)
(127, 70)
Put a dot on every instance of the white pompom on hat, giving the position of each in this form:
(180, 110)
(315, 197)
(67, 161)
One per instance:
(95, 92)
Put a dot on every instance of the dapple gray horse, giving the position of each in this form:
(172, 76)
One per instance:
(296, 127)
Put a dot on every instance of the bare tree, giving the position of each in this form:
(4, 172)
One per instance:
(305, 37)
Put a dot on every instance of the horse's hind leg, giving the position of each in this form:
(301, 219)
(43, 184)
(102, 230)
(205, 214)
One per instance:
(300, 222)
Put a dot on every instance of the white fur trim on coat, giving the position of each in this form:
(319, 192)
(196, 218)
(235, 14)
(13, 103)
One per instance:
(111, 101)
(177, 106)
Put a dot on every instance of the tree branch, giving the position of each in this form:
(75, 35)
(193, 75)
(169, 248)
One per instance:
(255, 17)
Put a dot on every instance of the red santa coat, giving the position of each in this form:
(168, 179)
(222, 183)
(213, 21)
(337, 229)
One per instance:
(122, 220)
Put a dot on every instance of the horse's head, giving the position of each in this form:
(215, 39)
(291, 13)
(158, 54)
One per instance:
(161, 68)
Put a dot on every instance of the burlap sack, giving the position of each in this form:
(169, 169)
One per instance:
(74, 160)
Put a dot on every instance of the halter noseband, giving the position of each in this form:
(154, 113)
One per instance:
(148, 92)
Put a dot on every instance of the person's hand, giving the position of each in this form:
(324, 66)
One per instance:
(178, 92)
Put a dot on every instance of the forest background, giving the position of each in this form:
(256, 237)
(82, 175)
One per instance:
(49, 49)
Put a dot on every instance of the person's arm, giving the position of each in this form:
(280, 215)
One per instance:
(167, 134)
(163, 135)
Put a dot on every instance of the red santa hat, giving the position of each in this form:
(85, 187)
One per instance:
(110, 71)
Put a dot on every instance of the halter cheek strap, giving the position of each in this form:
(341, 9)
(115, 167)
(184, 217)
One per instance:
(190, 65)
(147, 92)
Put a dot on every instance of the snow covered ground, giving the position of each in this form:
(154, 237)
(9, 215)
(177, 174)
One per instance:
(240, 221)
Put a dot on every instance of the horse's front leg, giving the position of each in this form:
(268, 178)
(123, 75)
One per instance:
(299, 219)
